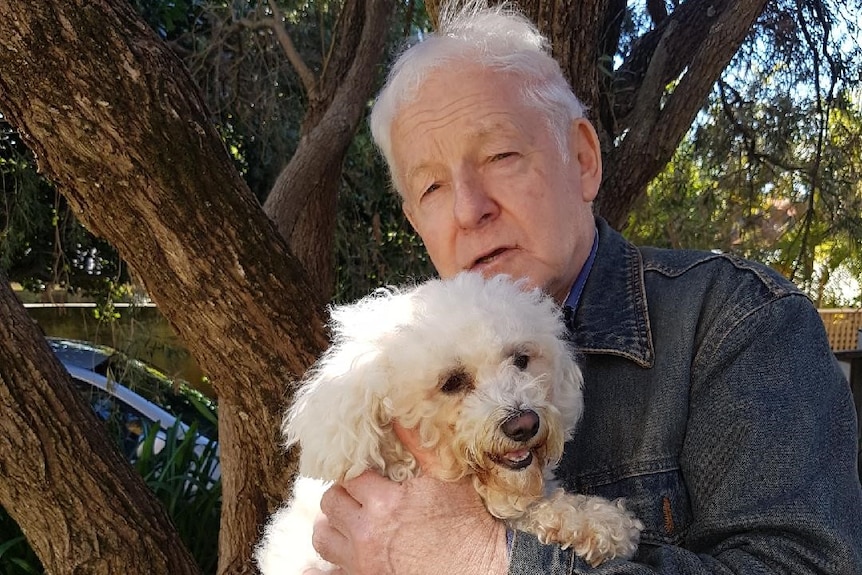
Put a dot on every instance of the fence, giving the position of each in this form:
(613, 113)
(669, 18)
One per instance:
(842, 327)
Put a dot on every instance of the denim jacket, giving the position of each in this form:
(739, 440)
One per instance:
(715, 407)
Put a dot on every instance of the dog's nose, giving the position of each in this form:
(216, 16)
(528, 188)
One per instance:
(521, 425)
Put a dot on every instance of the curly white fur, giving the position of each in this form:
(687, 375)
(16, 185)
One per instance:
(482, 369)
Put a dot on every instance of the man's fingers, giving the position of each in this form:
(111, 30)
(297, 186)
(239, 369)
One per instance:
(338, 507)
(364, 490)
(427, 458)
(329, 542)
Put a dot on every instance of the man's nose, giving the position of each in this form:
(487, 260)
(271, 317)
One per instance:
(473, 204)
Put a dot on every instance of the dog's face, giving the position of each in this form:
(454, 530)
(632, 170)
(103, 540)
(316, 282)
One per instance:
(479, 367)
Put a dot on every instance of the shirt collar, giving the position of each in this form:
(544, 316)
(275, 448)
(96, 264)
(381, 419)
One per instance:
(574, 296)
(612, 316)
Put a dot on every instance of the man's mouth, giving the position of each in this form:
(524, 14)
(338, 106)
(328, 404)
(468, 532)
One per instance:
(515, 460)
(488, 258)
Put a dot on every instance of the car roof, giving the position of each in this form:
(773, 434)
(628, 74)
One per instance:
(79, 353)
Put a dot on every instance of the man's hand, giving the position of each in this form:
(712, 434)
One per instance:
(373, 526)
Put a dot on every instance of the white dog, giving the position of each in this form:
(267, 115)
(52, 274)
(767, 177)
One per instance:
(482, 370)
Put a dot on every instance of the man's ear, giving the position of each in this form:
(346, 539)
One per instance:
(584, 148)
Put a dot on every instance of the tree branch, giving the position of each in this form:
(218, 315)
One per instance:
(692, 21)
(276, 23)
(708, 42)
(328, 129)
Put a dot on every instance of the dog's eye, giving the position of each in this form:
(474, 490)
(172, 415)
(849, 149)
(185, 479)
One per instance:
(456, 381)
(521, 360)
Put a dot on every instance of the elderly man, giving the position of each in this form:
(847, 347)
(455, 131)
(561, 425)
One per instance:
(713, 403)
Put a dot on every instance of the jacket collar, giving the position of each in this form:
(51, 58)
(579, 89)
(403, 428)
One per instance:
(612, 317)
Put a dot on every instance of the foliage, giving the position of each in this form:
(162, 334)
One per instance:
(375, 245)
(175, 395)
(259, 102)
(180, 475)
(771, 169)
(251, 89)
(16, 556)
(169, 18)
(41, 242)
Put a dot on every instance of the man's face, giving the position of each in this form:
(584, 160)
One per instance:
(485, 185)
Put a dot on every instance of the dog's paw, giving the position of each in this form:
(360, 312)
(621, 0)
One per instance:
(595, 528)
(611, 531)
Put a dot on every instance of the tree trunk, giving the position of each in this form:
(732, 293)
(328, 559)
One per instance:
(79, 503)
(639, 114)
(305, 215)
(575, 32)
(116, 122)
(659, 91)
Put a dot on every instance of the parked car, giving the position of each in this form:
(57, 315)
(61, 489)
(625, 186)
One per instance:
(136, 400)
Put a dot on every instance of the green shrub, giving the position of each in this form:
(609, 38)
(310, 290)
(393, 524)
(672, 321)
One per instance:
(16, 557)
(180, 475)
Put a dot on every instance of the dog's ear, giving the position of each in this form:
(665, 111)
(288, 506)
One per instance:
(568, 388)
(341, 416)
(339, 421)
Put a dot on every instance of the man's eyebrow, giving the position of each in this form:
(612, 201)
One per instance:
(492, 130)
(416, 171)
(481, 135)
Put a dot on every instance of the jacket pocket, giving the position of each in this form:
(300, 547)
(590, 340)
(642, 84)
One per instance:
(655, 494)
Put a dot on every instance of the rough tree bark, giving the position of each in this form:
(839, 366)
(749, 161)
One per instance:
(58, 465)
(115, 121)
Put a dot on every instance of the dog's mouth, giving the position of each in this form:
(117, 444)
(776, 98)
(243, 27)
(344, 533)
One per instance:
(515, 460)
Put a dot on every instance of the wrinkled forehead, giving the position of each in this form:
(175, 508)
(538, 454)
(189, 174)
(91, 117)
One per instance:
(444, 87)
(408, 88)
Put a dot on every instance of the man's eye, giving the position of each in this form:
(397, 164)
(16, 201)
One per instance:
(502, 156)
(430, 189)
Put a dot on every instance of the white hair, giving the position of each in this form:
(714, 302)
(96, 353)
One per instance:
(498, 38)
